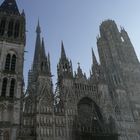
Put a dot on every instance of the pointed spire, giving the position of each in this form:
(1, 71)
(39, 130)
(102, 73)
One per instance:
(43, 49)
(38, 29)
(94, 60)
(37, 47)
(63, 54)
(9, 6)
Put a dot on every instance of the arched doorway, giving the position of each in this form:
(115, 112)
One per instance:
(89, 123)
(88, 112)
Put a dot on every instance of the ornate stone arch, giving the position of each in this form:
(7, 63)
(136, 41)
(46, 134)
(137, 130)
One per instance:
(89, 123)
(88, 111)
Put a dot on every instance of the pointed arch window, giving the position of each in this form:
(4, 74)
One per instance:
(12, 88)
(7, 63)
(16, 31)
(10, 63)
(2, 26)
(13, 63)
(4, 87)
(10, 28)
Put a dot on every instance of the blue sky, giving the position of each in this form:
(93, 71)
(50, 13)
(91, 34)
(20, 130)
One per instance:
(76, 22)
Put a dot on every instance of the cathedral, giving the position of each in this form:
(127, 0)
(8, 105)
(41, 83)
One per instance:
(103, 106)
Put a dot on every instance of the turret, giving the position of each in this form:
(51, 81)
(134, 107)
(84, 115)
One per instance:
(64, 67)
(95, 69)
(128, 49)
(95, 64)
(79, 74)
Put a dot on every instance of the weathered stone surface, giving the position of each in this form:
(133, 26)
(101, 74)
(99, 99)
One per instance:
(105, 106)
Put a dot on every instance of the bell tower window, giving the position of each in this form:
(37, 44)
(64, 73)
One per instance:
(4, 86)
(10, 28)
(7, 63)
(10, 63)
(2, 26)
(12, 88)
(13, 63)
(17, 27)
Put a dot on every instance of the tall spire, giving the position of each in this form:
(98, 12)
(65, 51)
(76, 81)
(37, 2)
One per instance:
(37, 47)
(38, 29)
(94, 60)
(64, 68)
(63, 54)
(43, 49)
(9, 6)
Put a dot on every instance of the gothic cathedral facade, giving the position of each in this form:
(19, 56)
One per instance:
(103, 106)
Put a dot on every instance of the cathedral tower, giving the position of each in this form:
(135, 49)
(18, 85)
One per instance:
(64, 68)
(12, 43)
(38, 103)
(121, 68)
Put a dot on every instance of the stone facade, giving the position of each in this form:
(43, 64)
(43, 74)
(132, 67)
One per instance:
(103, 106)
(12, 42)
